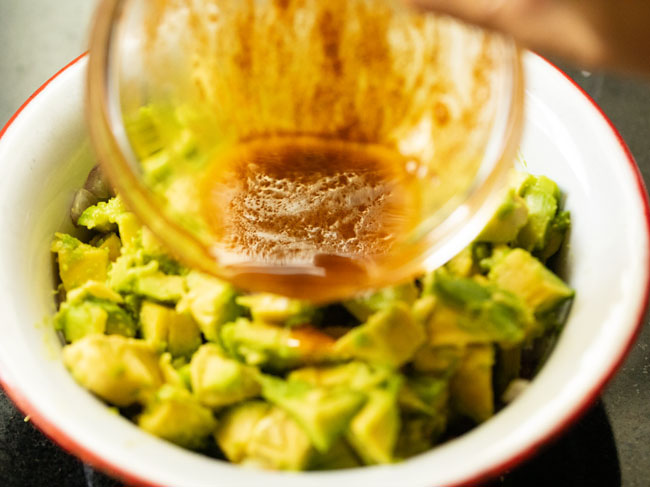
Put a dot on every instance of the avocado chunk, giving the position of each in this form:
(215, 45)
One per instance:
(473, 310)
(362, 307)
(340, 456)
(276, 347)
(390, 336)
(322, 413)
(174, 375)
(113, 244)
(218, 381)
(79, 262)
(175, 415)
(211, 302)
(462, 264)
(373, 431)
(508, 220)
(542, 200)
(471, 389)
(525, 276)
(93, 308)
(357, 376)
(165, 328)
(279, 443)
(128, 275)
(555, 235)
(103, 216)
(271, 308)
(80, 320)
(424, 394)
(120, 370)
(442, 360)
(236, 427)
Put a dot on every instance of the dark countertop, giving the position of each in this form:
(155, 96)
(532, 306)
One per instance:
(38, 37)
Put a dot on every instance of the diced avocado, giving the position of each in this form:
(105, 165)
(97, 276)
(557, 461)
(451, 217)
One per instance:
(541, 196)
(439, 361)
(236, 427)
(102, 216)
(525, 276)
(175, 415)
(218, 381)
(462, 264)
(129, 227)
(211, 302)
(114, 245)
(160, 287)
(555, 235)
(150, 244)
(340, 456)
(418, 434)
(79, 262)
(279, 443)
(423, 308)
(167, 329)
(274, 346)
(93, 308)
(390, 336)
(95, 289)
(172, 375)
(323, 413)
(362, 307)
(120, 370)
(80, 320)
(471, 389)
(357, 376)
(271, 308)
(471, 310)
(508, 220)
(373, 431)
(424, 394)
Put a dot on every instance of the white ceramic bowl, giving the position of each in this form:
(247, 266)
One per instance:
(44, 157)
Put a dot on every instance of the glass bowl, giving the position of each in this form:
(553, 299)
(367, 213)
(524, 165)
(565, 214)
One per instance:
(313, 149)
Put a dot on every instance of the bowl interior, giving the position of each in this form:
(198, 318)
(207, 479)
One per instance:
(44, 158)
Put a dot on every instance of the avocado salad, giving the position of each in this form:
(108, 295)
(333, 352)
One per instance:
(278, 383)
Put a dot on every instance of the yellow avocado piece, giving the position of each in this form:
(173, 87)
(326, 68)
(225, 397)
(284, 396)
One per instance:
(167, 329)
(390, 336)
(218, 381)
(120, 370)
(79, 262)
(374, 430)
(525, 276)
(236, 428)
(114, 245)
(471, 389)
(175, 415)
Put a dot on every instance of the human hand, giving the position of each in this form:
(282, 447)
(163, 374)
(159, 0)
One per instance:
(592, 33)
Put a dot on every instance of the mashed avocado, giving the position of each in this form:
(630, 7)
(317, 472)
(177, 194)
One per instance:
(284, 384)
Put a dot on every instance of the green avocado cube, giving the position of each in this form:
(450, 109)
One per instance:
(271, 308)
(166, 329)
(219, 381)
(542, 200)
(175, 415)
(79, 262)
(523, 275)
(236, 427)
(103, 216)
(390, 337)
(121, 371)
(211, 302)
(373, 431)
(323, 413)
(276, 347)
(471, 391)
(358, 376)
(362, 307)
(508, 220)
(279, 443)
(80, 320)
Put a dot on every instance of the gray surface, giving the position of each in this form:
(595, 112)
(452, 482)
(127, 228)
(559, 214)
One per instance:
(37, 37)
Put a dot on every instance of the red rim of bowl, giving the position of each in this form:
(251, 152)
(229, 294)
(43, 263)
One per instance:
(72, 446)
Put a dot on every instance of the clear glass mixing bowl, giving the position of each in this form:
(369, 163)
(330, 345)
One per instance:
(179, 89)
